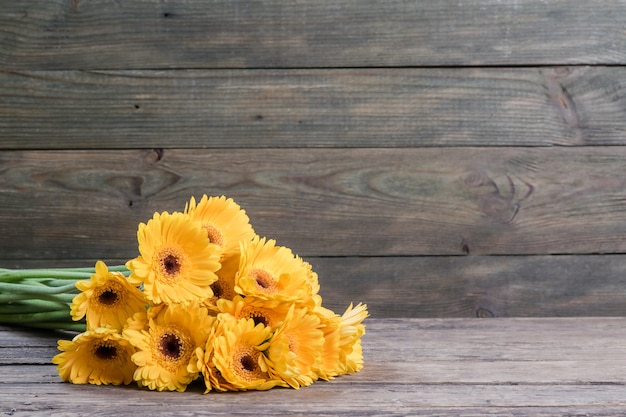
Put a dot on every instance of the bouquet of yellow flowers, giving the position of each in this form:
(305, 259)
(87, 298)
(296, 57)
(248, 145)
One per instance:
(205, 297)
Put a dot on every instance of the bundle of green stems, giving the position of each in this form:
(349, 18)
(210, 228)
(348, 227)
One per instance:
(41, 298)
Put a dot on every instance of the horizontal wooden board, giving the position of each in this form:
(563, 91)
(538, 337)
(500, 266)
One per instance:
(476, 286)
(453, 367)
(324, 202)
(55, 34)
(312, 108)
(323, 399)
(459, 286)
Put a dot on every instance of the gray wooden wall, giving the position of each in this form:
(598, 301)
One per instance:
(431, 158)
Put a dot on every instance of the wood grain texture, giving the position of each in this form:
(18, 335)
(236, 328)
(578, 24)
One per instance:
(378, 139)
(104, 34)
(313, 108)
(331, 202)
(457, 286)
(429, 158)
(462, 367)
(476, 286)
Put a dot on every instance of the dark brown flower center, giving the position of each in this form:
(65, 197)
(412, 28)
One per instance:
(217, 289)
(248, 363)
(171, 265)
(259, 319)
(171, 346)
(105, 352)
(108, 297)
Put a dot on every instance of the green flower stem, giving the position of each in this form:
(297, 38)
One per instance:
(50, 282)
(73, 274)
(6, 288)
(41, 298)
(15, 297)
(35, 317)
(26, 306)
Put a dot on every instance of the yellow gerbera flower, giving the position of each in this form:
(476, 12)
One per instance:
(350, 331)
(273, 273)
(354, 359)
(224, 221)
(213, 379)
(296, 348)
(177, 262)
(238, 355)
(106, 299)
(250, 308)
(342, 351)
(238, 308)
(98, 356)
(166, 352)
(329, 366)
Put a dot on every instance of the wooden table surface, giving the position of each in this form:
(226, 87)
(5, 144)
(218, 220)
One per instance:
(453, 367)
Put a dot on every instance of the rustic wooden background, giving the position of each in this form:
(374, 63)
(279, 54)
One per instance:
(430, 158)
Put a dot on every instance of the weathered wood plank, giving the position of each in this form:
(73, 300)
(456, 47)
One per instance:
(48, 34)
(481, 286)
(455, 367)
(460, 286)
(476, 286)
(312, 108)
(323, 399)
(332, 202)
